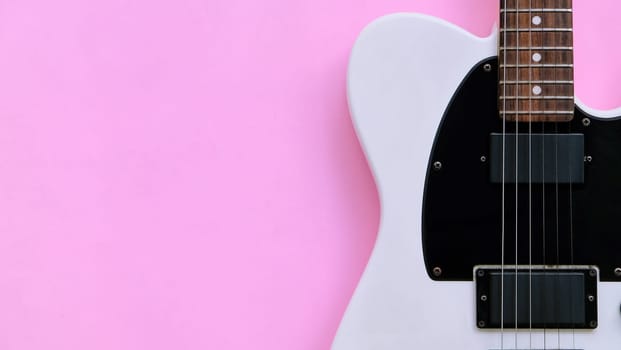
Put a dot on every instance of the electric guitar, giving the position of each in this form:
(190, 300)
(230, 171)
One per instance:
(500, 191)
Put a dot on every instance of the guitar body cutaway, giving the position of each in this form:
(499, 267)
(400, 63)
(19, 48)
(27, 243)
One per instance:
(406, 74)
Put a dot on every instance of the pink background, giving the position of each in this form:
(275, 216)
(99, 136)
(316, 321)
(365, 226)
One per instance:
(183, 174)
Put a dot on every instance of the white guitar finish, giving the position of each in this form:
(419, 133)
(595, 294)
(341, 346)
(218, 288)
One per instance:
(403, 71)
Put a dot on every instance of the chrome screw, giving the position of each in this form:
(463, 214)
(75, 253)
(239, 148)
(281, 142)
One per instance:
(586, 121)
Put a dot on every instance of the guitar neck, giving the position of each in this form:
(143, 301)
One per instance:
(536, 61)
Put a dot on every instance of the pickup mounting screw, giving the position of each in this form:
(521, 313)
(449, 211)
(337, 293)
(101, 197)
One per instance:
(483, 159)
(618, 272)
(591, 298)
(483, 297)
(588, 159)
(593, 324)
(437, 166)
(586, 121)
(481, 324)
(437, 271)
(487, 67)
(480, 273)
(593, 273)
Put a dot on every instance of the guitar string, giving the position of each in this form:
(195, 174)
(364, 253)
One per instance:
(504, 128)
(571, 196)
(543, 189)
(558, 258)
(571, 208)
(517, 144)
(543, 225)
(556, 178)
(530, 183)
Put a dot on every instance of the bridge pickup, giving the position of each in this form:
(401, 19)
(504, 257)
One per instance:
(544, 297)
(553, 158)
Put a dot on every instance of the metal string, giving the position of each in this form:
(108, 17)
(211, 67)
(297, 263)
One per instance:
(558, 258)
(517, 144)
(571, 212)
(543, 221)
(517, 114)
(543, 194)
(504, 127)
(571, 244)
(530, 183)
(556, 83)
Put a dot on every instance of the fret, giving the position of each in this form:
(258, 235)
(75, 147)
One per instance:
(537, 112)
(527, 18)
(535, 65)
(556, 57)
(535, 106)
(544, 10)
(525, 54)
(536, 30)
(536, 40)
(530, 48)
(526, 4)
(537, 20)
(522, 97)
(537, 118)
(563, 82)
(527, 74)
(543, 89)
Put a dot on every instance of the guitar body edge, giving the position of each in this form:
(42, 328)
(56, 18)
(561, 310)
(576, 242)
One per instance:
(403, 72)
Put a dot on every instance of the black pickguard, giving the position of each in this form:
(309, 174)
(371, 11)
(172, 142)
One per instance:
(462, 211)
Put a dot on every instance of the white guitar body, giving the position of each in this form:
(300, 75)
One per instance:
(404, 69)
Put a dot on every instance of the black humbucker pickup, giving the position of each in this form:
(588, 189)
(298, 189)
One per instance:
(545, 298)
(552, 158)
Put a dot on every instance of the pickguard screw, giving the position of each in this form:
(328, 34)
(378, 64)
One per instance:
(437, 166)
(487, 67)
(588, 159)
(586, 121)
(481, 324)
(437, 271)
(618, 272)
(483, 297)
(483, 159)
(593, 273)
(593, 324)
(591, 298)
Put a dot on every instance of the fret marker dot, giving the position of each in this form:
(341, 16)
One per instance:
(537, 20)
(537, 57)
(537, 90)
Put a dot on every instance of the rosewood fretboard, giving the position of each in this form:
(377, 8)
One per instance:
(536, 60)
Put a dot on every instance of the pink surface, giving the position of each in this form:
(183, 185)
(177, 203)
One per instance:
(183, 174)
